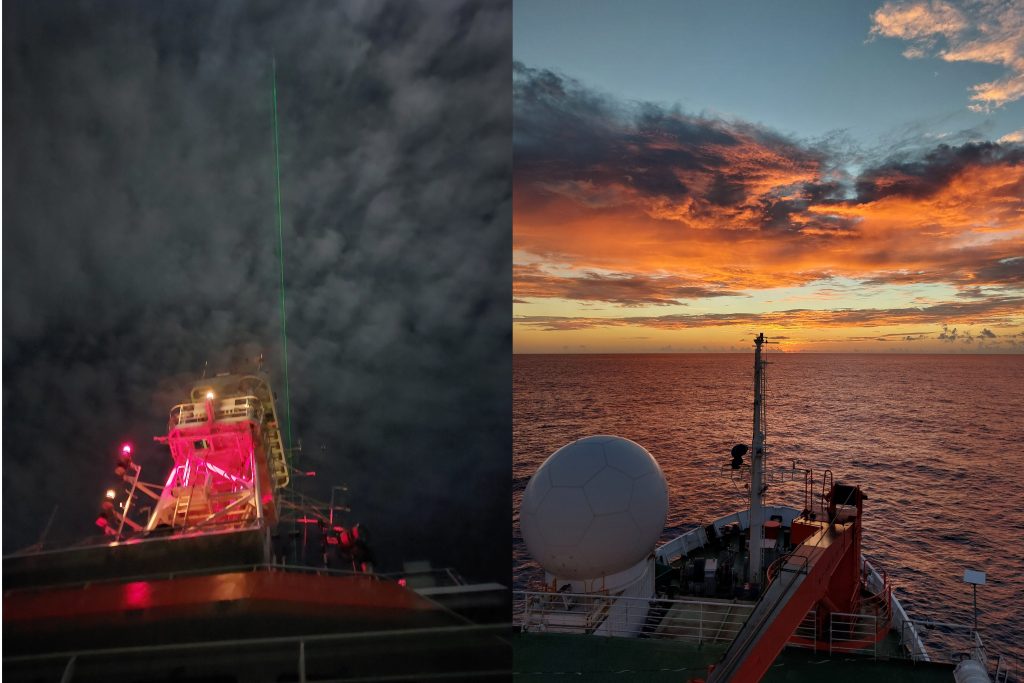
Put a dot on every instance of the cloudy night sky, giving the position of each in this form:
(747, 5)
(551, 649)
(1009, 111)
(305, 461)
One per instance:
(139, 243)
(842, 176)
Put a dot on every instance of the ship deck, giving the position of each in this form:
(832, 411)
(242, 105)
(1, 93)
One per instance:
(552, 657)
(248, 623)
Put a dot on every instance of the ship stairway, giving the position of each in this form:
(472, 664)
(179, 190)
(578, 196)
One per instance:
(181, 510)
(655, 615)
(185, 512)
(278, 465)
(802, 580)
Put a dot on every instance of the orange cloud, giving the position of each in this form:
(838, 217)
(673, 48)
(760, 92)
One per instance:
(645, 207)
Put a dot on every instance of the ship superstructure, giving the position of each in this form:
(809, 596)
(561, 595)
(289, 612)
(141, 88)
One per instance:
(228, 458)
(203, 577)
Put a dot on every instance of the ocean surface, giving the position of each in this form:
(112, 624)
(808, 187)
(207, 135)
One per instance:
(935, 441)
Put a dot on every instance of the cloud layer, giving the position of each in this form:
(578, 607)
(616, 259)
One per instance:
(640, 205)
(990, 311)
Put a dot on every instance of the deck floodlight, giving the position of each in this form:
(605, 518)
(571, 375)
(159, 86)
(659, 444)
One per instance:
(111, 494)
(210, 395)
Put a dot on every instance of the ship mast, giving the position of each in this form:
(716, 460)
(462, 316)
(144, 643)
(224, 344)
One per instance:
(757, 466)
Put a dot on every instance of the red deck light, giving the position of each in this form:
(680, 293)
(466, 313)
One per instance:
(124, 460)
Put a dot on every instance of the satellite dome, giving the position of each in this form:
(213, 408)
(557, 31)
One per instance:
(595, 507)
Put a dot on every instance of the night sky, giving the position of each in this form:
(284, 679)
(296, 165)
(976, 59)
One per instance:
(139, 243)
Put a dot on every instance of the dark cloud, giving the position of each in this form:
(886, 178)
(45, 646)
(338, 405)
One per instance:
(989, 309)
(620, 288)
(139, 243)
(571, 140)
(900, 336)
(920, 175)
(979, 272)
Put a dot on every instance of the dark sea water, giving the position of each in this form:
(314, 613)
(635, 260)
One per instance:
(936, 442)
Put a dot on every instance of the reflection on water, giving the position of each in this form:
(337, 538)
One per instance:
(933, 440)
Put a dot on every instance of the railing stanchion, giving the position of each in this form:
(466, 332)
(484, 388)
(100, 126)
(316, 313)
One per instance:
(69, 670)
(700, 618)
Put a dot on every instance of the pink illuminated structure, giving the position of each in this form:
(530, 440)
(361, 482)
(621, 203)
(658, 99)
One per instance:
(228, 459)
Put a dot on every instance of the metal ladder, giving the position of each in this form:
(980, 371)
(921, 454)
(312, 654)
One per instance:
(181, 507)
(278, 465)
(1002, 671)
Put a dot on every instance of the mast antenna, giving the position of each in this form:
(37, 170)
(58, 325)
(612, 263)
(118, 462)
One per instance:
(280, 254)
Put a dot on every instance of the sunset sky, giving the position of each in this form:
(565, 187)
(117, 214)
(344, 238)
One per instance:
(843, 177)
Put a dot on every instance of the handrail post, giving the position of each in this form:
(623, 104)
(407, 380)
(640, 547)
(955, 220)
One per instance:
(700, 622)
(874, 631)
(69, 670)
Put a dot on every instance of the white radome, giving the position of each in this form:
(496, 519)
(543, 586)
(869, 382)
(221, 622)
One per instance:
(595, 507)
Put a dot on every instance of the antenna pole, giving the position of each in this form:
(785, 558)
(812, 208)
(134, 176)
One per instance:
(975, 587)
(757, 467)
(280, 253)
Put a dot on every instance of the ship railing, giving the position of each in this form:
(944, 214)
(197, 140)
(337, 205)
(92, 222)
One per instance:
(232, 409)
(1003, 665)
(946, 642)
(697, 537)
(616, 615)
(693, 539)
(427, 578)
(853, 633)
(910, 639)
(302, 653)
(806, 634)
(879, 600)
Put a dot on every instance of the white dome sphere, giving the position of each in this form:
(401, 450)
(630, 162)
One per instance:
(595, 507)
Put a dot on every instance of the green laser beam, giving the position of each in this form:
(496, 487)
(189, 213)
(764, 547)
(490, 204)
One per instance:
(280, 254)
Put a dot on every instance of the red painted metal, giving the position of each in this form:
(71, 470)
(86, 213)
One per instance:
(271, 591)
(225, 448)
(828, 555)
